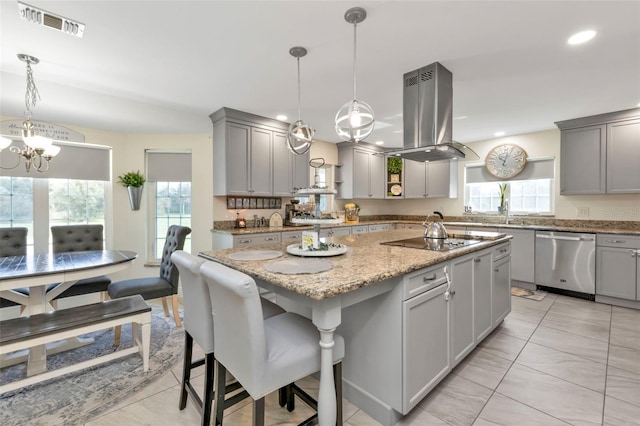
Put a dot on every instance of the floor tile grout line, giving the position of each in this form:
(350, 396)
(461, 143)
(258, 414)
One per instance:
(606, 371)
(533, 408)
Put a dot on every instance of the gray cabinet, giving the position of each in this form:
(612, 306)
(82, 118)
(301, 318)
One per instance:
(252, 240)
(250, 156)
(461, 315)
(362, 171)
(623, 157)
(523, 245)
(335, 232)
(598, 154)
(426, 359)
(482, 296)
(437, 179)
(618, 266)
(501, 284)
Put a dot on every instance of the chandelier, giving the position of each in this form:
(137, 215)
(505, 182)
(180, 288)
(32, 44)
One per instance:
(38, 150)
(300, 134)
(355, 120)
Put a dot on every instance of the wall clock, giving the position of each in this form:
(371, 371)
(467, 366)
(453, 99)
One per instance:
(506, 161)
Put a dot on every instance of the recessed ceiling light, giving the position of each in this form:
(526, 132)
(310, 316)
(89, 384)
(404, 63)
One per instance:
(498, 134)
(581, 37)
(281, 117)
(379, 142)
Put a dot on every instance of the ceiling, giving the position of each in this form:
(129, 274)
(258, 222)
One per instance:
(164, 66)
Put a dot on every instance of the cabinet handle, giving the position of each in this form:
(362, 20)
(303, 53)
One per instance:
(504, 250)
(632, 253)
(616, 241)
(433, 277)
(245, 241)
(496, 270)
(270, 239)
(452, 293)
(477, 260)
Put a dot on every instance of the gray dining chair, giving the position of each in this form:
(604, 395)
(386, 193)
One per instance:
(262, 354)
(69, 238)
(161, 286)
(13, 242)
(198, 328)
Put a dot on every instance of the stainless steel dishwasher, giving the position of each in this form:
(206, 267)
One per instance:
(566, 260)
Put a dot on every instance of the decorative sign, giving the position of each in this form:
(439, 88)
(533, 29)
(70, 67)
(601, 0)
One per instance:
(13, 130)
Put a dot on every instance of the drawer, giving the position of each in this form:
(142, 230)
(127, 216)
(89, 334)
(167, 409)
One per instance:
(291, 236)
(335, 232)
(255, 239)
(501, 251)
(618, 240)
(359, 229)
(423, 280)
(379, 227)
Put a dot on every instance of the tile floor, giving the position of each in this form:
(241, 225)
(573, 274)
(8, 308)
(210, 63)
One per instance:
(558, 361)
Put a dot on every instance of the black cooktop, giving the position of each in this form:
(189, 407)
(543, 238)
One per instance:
(433, 244)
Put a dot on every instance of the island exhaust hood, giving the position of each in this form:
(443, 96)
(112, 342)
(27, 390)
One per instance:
(427, 115)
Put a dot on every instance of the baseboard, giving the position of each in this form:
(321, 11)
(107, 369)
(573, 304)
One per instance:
(375, 408)
(632, 304)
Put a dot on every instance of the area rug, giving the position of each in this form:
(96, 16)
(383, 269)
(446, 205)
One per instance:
(78, 397)
(537, 295)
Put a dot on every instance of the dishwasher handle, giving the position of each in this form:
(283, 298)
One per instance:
(560, 237)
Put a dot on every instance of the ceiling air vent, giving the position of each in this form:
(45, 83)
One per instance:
(48, 19)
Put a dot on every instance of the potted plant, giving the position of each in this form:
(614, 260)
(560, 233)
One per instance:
(134, 182)
(503, 193)
(394, 167)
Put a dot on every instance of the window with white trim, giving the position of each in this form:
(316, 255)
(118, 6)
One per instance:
(530, 193)
(169, 173)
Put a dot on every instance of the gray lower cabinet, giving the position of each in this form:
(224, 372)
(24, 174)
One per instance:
(523, 247)
(291, 236)
(618, 266)
(501, 285)
(253, 240)
(426, 359)
(335, 232)
(482, 296)
(462, 336)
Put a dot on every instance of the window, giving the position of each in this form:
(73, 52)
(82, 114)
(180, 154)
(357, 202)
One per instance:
(76, 202)
(324, 180)
(169, 173)
(16, 204)
(531, 193)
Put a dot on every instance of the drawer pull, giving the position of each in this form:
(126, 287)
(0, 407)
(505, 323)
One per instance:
(504, 250)
(632, 252)
(616, 241)
(496, 270)
(431, 278)
(477, 260)
(270, 239)
(245, 241)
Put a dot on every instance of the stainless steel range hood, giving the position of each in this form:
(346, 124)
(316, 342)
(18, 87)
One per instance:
(428, 116)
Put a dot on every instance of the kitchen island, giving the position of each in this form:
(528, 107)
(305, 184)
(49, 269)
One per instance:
(405, 324)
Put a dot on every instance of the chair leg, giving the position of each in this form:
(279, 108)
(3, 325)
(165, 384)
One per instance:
(186, 369)
(337, 378)
(258, 412)
(291, 399)
(209, 365)
(282, 396)
(220, 378)
(176, 312)
(165, 306)
(116, 336)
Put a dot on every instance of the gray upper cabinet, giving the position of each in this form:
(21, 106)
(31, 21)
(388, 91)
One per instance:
(250, 156)
(362, 172)
(416, 179)
(599, 154)
(437, 179)
(623, 157)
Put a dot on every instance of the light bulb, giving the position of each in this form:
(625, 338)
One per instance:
(38, 142)
(51, 151)
(355, 119)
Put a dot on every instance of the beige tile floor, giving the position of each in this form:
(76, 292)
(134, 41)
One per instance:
(555, 362)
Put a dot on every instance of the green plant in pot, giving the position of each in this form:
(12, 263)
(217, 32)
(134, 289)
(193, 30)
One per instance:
(394, 167)
(134, 182)
(503, 194)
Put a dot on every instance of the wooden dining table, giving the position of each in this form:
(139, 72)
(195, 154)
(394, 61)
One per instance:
(47, 276)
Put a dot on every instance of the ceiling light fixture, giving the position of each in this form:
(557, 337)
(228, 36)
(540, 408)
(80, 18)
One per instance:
(281, 117)
(355, 120)
(38, 150)
(300, 134)
(581, 37)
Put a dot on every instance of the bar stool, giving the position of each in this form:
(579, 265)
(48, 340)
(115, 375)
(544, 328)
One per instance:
(198, 327)
(262, 354)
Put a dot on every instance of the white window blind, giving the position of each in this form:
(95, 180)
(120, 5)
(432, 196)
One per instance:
(168, 166)
(536, 168)
(79, 161)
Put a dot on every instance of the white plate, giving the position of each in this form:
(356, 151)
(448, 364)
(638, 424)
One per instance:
(295, 250)
(255, 255)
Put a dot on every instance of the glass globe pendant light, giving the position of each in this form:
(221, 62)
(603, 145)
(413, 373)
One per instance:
(355, 120)
(300, 134)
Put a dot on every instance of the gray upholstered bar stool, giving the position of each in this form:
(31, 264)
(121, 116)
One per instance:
(262, 354)
(68, 238)
(198, 327)
(163, 285)
(13, 242)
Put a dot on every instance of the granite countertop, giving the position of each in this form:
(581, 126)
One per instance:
(593, 229)
(365, 263)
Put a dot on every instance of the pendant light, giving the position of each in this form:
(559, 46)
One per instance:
(355, 120)
(300, 134)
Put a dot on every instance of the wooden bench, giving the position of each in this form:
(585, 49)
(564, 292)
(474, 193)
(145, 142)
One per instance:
(25, 332)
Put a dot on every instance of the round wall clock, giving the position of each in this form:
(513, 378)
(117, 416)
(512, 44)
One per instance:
(506, 161)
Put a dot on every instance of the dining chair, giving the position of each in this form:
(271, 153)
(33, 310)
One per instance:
(163, 285)
(69, 238)
(262, 354)
(198, 328)
(13, 242)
